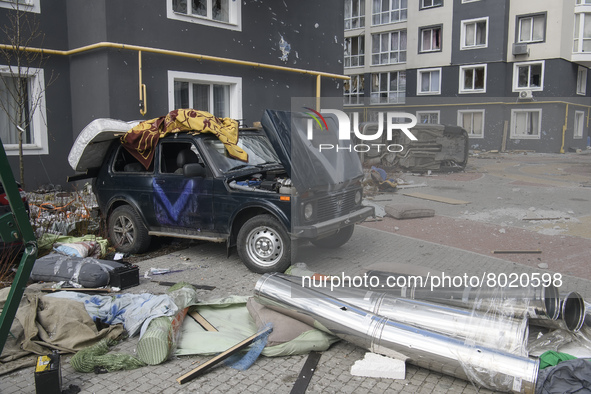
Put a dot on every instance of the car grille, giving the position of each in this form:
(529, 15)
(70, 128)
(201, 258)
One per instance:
(335, 206)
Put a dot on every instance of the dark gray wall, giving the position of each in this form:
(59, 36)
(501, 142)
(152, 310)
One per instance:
(497, 11)
(104, 82)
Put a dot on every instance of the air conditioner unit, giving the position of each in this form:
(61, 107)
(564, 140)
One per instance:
(520, 49)
(525, 94)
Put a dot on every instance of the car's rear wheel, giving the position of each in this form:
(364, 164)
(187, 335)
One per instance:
(335, 240)
(264, 245)
(127, 232)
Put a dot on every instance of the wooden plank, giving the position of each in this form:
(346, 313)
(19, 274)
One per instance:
(445, 200)
(202, 321)
(82, 290)
(301, 384)
(504, 141)
(516, 251)
(201, 287)
(221, 357)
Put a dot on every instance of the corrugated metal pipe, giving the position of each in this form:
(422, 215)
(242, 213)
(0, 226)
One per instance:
(490, 368)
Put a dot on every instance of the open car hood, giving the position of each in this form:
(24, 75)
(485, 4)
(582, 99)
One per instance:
(309, 167)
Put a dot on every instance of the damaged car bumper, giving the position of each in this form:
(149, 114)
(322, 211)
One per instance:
(330, 226)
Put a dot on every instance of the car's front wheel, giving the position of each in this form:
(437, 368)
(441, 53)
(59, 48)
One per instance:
(264, 245)
(127, 232)
(335, 240)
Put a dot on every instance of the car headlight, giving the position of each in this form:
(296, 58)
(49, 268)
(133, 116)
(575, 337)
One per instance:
(308, 211)
(358, 197)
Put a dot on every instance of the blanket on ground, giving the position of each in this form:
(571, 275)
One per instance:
(141, 140)
(44, 323)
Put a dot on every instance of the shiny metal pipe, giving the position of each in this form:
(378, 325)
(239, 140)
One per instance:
(472, 327)
(486, 367)
(510, 301)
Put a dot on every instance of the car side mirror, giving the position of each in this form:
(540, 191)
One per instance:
(193, 170)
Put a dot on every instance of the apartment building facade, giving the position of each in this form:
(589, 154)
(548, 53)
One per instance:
(137, 60)
(512, 73)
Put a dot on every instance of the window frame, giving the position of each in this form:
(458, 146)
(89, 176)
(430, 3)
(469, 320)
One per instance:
(463, 36)
(36, 86)
(432, 28)
(235, 84)
(360, 56)
(422, 5)
(516, 67)
(514, 135)
(420, 72)
(24, 5)
(462, 88)
(360, 19)
(235, 16)
(578, 131)
(518, 25)
(460, 122)
(389, 51)
(419, 113)
(379, 92)
(359, 95)
(390, 10)
(582, 74)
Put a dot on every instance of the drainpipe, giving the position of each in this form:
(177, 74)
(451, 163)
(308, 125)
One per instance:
(564, 128)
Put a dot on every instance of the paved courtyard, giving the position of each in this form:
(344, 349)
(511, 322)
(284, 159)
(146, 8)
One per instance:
(434, 244)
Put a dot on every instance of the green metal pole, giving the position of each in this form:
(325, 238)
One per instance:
(22, 231)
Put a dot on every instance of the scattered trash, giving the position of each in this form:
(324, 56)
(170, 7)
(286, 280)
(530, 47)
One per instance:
(222, 356)
(377, 366)
(159, 271)
(408, 211)
(301, 384)
(445, 200)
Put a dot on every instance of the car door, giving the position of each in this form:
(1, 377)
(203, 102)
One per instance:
(181, 204)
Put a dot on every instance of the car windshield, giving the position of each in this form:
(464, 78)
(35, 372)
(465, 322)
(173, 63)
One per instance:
(260, 152)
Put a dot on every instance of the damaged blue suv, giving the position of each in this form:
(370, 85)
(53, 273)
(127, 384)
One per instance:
(288, 191)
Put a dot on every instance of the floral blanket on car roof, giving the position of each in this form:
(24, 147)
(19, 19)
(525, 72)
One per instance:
(141, 140)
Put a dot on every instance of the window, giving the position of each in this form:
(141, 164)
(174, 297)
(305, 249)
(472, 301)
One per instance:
(218, 95)
(388, 88)
(582, 81)
(582, 33)
(531, 28)
(429, 81)
(389, 48)
(473, 79)
(354, 14)
(583, 2)
(431, 3)
(528, 76)
(389, 11)
(525, 124)
(219, 13)
(472, 121)
(430, 39)
(431, 117)
(474, 33)
(23, 5)
(354, 51)
(35, 134)
(354, 90)
(579, 124)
